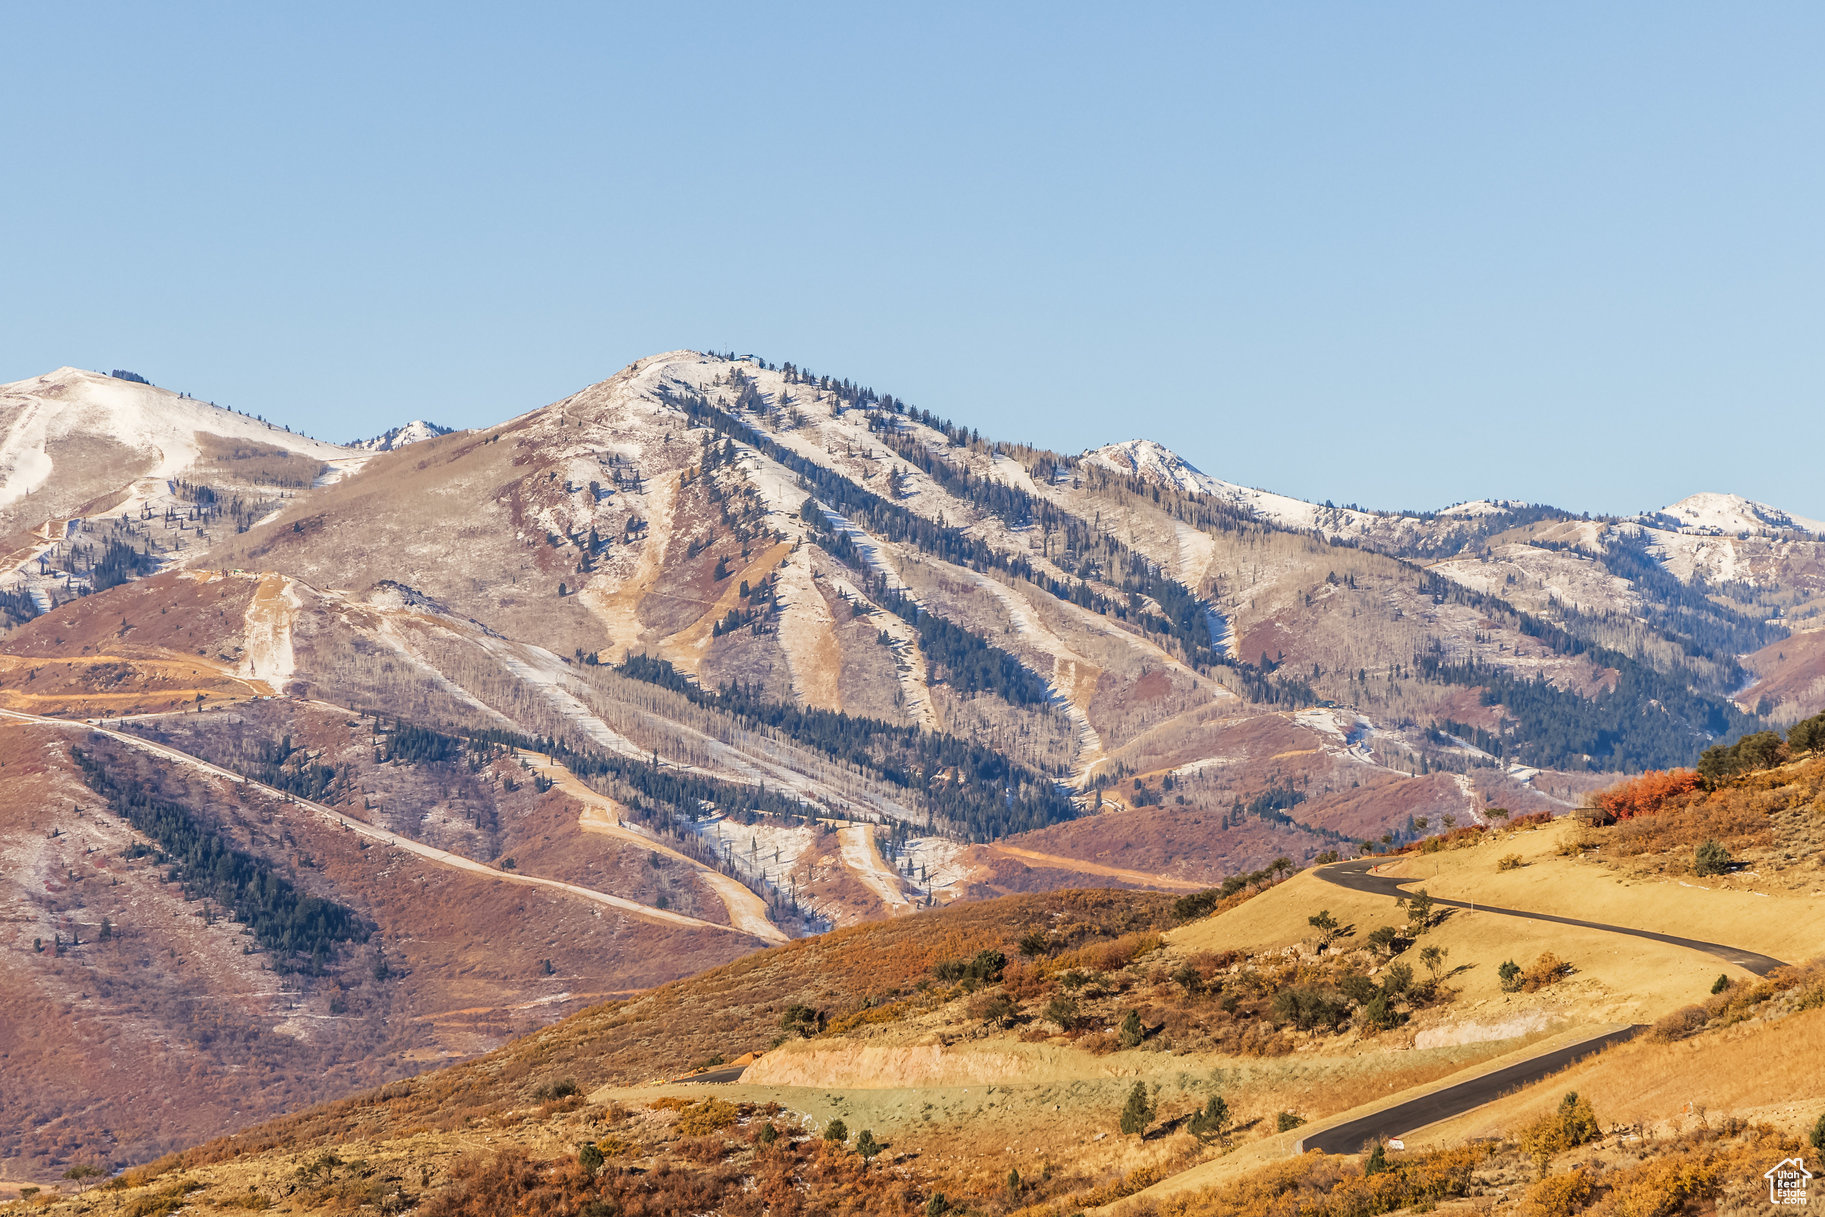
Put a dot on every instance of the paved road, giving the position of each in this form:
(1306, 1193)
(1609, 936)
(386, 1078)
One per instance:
(732, 1074)
(1349, 1138)
(1442, 1104)
(1356, 877)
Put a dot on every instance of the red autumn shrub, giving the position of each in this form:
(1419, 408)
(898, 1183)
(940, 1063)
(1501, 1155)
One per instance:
(1645, 795)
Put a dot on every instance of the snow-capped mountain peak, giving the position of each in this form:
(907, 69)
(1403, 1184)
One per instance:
(1154, 462)
(1727, 515)
(398, 437)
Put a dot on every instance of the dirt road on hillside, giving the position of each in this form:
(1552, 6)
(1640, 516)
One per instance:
(362, 828)
(863, 858)
(1058, 862)
(601, 814)
(1359, 876)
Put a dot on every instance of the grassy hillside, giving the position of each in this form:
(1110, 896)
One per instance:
(989, 1051)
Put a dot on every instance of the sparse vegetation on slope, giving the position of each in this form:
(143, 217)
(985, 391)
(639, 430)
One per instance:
(975, 788)
(302, 931)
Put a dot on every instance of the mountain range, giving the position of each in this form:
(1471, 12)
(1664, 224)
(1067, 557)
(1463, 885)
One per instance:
(335, 762)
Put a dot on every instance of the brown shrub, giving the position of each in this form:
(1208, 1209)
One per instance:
(139, 1176)
(1023, 981)
(507, 1182)
(705, 1116)
(1318, 1185)
(167, 1200)
(1098, 1043)
(1666, 1187)
(703, 1150)
(1212, 962)
(1544, 971)
(1685, 1021)
(1108, 956)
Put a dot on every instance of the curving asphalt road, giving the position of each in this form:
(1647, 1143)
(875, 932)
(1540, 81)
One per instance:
(1442, 1104)
(1355, 877)
(715, 1076)
(1350, 1137)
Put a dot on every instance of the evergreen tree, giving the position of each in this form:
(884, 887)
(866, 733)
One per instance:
(1131, 1033)
(1211, 1121)
(1137, 1113)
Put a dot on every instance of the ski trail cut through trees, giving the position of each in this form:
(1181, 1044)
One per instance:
(601, 814)
(361, 828)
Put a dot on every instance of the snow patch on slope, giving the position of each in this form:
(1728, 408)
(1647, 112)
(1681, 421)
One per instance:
(268, 629)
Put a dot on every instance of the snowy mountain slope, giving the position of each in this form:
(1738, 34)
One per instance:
(160, 429)
(91, 463)
(797, 536)
(1157, 464)
(1706, 538)
(749, 615)
(1728, 515)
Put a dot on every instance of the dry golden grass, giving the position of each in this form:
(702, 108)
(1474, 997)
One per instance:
(1771, 1071)
(1769, 912)
(1615, 978)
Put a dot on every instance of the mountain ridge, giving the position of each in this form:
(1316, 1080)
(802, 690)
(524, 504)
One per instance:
(729, 640)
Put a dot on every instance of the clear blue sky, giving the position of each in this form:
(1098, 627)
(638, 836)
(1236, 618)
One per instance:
(1400, 254)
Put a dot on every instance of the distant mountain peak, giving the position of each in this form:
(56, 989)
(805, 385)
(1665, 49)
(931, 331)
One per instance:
(1709, 512)
(398, 437)
(1152, 461)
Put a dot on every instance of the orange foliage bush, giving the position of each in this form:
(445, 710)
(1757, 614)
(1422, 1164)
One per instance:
(1318, 1185)
(706, 1116)
(1738, 815)
(1646, 795)
(1559, 1195)
(1022, 980)
(1109, 956)
(808, 1178)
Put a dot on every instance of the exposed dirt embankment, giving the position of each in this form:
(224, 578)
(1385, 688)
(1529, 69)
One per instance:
(932, 1063)
(1451, 1034)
